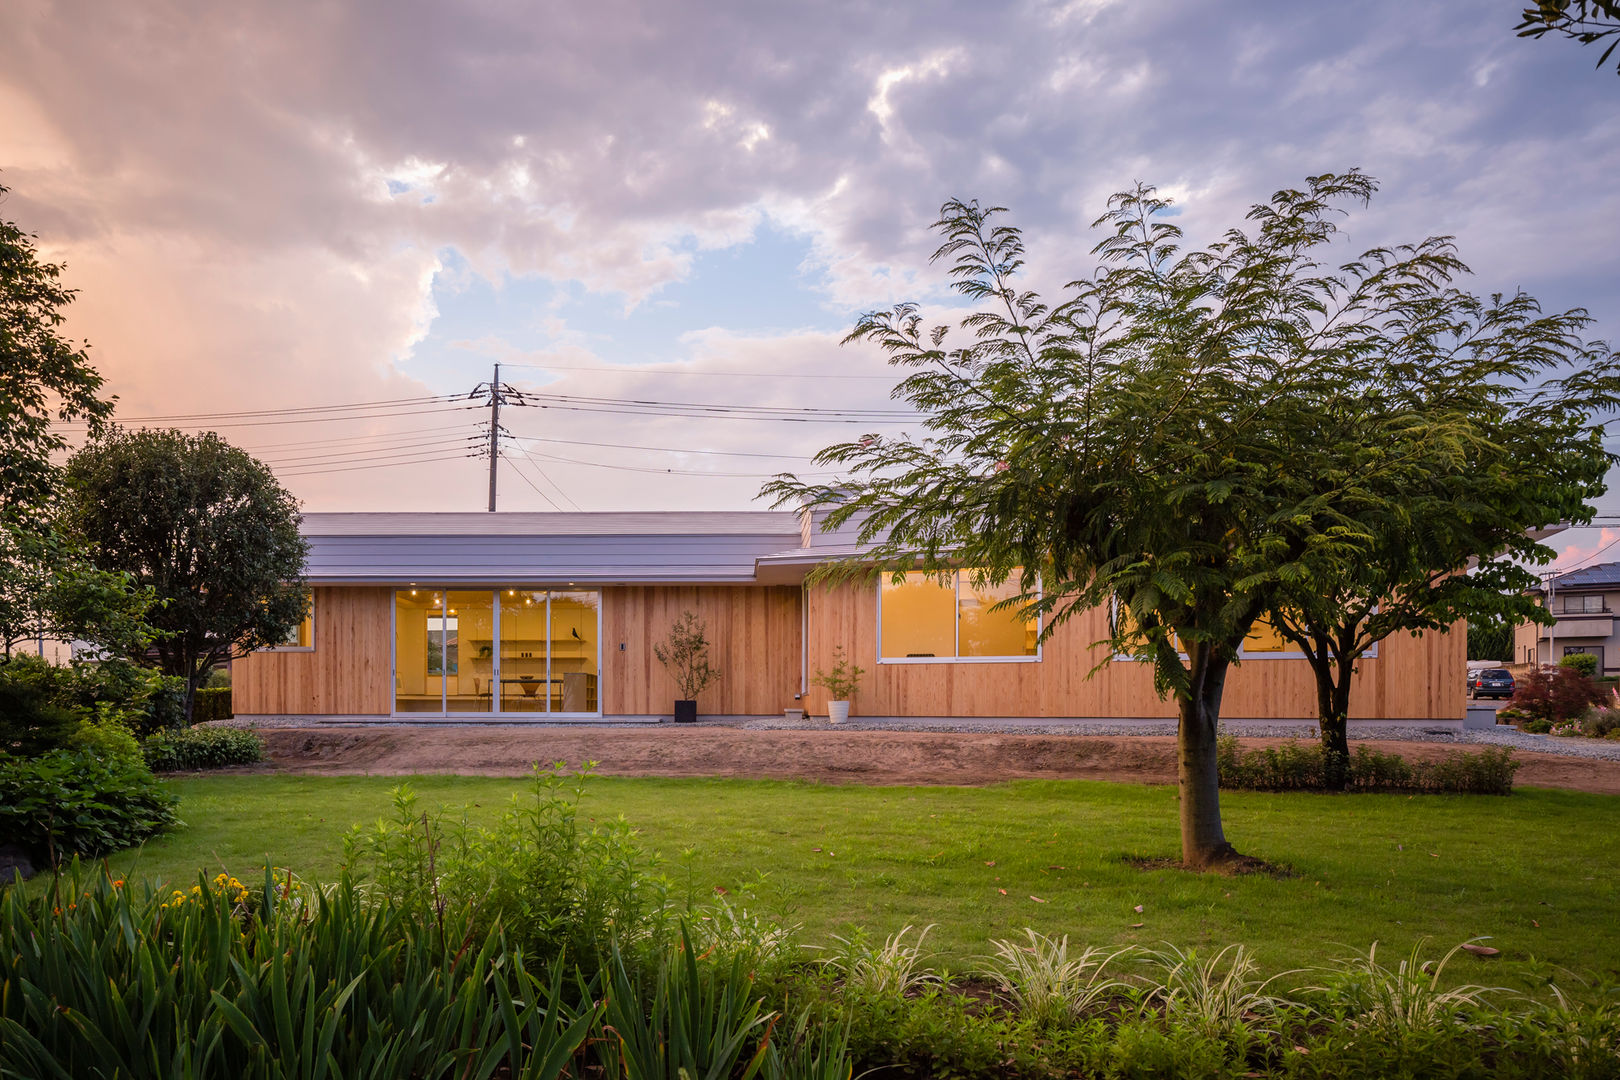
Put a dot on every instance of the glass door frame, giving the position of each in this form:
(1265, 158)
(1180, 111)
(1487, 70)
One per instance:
(495, 710)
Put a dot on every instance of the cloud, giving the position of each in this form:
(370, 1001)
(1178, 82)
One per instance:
(258, 199)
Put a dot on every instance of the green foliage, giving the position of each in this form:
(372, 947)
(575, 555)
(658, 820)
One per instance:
(1307, 767)
(201, 748)
(52, 590)
(685, 655)
(235, 584)
(1491, 639)
(1585, 21)
(32, 719)
(107, 737)
(211, 703)
(44, 378)
(844, 680)
(897, 966)
(67, 802)
(1194, 438)
(1582, 663)
(557, 885)
(1049, 985)
(290, 981)
(702, 1024)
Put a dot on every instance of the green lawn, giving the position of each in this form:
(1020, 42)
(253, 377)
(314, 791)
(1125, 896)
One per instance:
(1367, 867)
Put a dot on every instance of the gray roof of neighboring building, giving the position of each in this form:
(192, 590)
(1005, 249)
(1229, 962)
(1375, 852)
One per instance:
(1601, 576)
(579, 548)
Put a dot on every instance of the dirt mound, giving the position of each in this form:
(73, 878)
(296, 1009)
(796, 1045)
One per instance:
(853, 757)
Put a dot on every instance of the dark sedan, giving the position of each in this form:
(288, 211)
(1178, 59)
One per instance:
(1490, 682)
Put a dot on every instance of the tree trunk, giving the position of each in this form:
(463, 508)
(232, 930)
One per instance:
(1333, 718)
(1203, 843)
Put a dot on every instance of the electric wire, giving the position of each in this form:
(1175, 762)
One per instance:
(545, 476)
(663, 449)
(627, 370)
(524, 477)
(389, 403)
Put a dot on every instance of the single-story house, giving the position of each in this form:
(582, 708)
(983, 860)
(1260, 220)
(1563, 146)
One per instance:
(530, 616)
(1583, 605)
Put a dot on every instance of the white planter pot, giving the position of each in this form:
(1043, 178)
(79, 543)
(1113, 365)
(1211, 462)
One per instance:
(837, 711)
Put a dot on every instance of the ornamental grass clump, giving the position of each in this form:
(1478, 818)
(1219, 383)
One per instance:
(1047, 983)
(1411, 996)
(895, 967)
(1216, 993)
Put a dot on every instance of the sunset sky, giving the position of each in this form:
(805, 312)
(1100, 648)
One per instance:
(292, 205)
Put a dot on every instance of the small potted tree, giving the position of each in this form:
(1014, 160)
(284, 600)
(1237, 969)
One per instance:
(841, 684)
(685, 655)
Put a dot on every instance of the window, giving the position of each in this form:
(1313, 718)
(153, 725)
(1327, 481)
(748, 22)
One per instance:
(1590, 604)
(926, 618)
(303, 635)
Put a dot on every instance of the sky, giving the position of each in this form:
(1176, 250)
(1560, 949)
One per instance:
(290, 205)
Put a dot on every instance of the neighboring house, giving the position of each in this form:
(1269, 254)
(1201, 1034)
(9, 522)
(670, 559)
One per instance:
(1583, 604)
(525, 616)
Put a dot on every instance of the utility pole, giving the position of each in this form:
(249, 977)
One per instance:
(1552, 627)
(494, 432)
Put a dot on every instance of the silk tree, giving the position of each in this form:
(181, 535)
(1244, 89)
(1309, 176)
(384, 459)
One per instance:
(1151, 442)
(1478, 422)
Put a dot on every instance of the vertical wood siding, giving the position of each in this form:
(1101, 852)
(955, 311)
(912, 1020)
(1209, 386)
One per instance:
(348, 673)
(1417, 677)
(754, 638)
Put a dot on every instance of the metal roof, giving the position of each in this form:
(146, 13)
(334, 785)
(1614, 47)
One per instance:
(544, 548)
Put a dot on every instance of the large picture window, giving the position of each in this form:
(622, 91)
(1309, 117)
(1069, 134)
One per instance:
(929, 619)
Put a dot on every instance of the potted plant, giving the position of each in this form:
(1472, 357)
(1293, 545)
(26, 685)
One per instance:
(841, 684)
(685, 655)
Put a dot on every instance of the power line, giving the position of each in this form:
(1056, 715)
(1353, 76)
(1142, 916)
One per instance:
(659, 471)
(627, 370)
(371, 454)
(540, 472)
(389, 403)
(521, 476)
(427, 460)
(661, 449)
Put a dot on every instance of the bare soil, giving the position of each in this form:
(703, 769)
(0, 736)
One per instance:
(838, 757)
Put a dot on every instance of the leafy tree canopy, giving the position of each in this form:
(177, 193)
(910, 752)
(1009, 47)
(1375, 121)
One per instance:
(50, 590)
(1162, 442)
(202, 524)
(1585, 21)
(43, 376)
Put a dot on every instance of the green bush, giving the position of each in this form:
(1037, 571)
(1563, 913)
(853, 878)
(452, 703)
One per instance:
(68, 802)
(1298, 766)
(557, 886)
(201, 748)
(1582, 663)
(211, 703)
(106, 738)
(32, 719)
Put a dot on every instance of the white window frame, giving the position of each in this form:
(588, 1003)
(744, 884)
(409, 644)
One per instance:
(956, 632)
(314, 629)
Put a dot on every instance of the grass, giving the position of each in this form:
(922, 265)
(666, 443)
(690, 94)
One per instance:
(1536, 871)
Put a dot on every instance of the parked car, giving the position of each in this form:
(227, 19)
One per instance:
(1490, 682)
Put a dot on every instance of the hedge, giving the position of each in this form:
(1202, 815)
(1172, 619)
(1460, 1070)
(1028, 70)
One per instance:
(202, 748)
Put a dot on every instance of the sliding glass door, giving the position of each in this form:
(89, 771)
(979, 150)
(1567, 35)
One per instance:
(509, 651)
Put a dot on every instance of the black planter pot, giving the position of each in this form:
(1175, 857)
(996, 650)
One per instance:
(686, 712)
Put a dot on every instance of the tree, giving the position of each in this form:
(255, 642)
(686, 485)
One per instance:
(1585, 21)
(43, 376)
(1491, 639)
(1474, 422)
(1150, 443)
(207, 528)
(50, 590)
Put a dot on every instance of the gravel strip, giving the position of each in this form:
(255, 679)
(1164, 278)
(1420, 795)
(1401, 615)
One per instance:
(1603, 749)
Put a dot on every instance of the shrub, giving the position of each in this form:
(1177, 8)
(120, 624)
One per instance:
(211, 703)
(201, 748)
(554, 884)
(1555, 695)
(32, 719)
(1583, 663)
(68, 802)
(1298, 766)
(106, 738)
